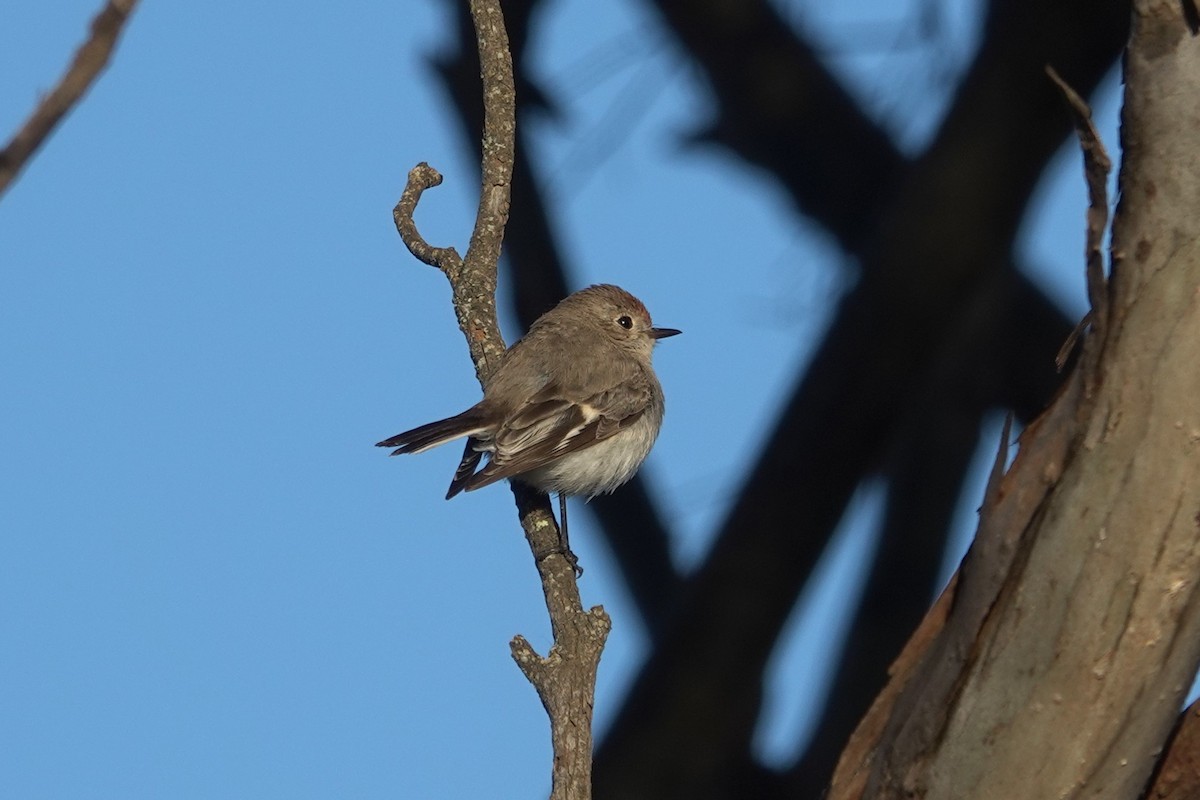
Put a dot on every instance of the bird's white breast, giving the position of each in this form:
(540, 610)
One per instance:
(600, 467)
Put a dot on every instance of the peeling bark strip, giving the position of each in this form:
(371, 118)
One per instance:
(1074, 630)
(565, 679)
(1096, 167)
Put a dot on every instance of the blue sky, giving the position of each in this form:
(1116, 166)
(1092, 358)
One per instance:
(211, 584)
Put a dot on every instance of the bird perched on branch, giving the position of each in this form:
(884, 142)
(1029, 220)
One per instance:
(573, 408)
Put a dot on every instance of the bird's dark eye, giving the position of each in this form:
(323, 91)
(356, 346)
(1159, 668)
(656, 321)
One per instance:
(625, 322)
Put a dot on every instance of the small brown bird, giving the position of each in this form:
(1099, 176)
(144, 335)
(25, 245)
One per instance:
(573, 408)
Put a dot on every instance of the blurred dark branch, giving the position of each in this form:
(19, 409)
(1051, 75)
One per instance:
(935, 437)
(89, 62)
(924, 473)
(934, 238)
(629, 518)
(779, 108)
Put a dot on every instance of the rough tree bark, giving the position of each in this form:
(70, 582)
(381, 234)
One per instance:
(565, 679)
(1056, 664)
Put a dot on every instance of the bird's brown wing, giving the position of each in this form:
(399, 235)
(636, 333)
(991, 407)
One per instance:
(549, 427)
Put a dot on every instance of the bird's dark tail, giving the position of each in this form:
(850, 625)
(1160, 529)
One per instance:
(444, 430)
(466, 468)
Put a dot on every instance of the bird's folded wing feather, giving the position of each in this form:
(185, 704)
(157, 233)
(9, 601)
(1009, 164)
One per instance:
(549, 427)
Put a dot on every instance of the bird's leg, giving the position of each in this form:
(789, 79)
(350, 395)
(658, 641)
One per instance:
(562, 536)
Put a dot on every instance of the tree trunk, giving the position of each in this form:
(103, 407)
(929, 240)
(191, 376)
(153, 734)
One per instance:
(1073, 630)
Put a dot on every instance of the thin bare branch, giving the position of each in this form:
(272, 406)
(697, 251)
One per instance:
(90, 60)
(565, 680)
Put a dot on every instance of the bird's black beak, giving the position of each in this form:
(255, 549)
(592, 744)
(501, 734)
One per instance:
(662, 333)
